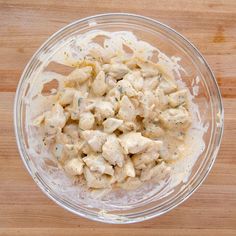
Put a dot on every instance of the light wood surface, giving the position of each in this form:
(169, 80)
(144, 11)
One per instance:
(25, 25)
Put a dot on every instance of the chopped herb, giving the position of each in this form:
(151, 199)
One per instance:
(52, 126)
(155, 122)
(79, 101)
(159, 76)
(120, 89)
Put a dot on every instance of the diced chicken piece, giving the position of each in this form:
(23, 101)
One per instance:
(151, 127)
(95, 64)
(129, 168)
(135, 102)
(130, 183)
(78, 105)
(96, 162)
(178, 98)
(131, 63)
(63, 152)
(149, 72)
(161, 99)
(86, 121)
(99, 85)
(127, 110)
(153, 131)
(125, 87)
(72, 150)
(95, 139)
(112, 151)
(158, 172)
(87, 149)
(120, 174)
(148, 68)
(117, 70)
(111, 82)
(148, 98)
(66, 96)
(111, 124)
(167, 85)
(97, 52)
(71, 130)
(175, 118)
(74, 166)
(67, 115)
(134, 142)
(104, 109)
(129, 126)
(135, 79)
(149, 155)
(114, 93)
(96, 180)
(148, 101)
(80, 75)
(151, 83)
(154, 146)
(114, 96)
(84, 88)
(55, 119)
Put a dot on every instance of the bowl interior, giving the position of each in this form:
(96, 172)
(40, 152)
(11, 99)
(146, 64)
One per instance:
(197, 77)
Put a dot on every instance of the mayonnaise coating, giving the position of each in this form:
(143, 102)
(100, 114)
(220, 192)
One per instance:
(117, 120)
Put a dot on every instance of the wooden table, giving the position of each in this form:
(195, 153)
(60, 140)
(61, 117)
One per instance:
(25, 25)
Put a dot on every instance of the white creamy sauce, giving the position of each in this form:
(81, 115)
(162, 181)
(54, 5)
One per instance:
(75, 51)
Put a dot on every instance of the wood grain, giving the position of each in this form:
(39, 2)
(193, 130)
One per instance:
(25, 25)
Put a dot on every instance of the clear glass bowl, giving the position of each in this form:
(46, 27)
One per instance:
(208, 100)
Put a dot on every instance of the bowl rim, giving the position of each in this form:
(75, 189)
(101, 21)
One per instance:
(184, 40)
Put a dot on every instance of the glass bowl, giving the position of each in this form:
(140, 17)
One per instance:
(207, 98)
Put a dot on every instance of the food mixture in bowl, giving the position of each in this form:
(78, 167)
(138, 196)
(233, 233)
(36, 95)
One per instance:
(120, 118)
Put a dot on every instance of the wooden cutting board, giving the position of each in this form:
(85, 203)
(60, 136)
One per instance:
(25, 25)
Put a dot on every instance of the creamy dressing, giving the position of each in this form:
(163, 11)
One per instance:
(181, 143)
